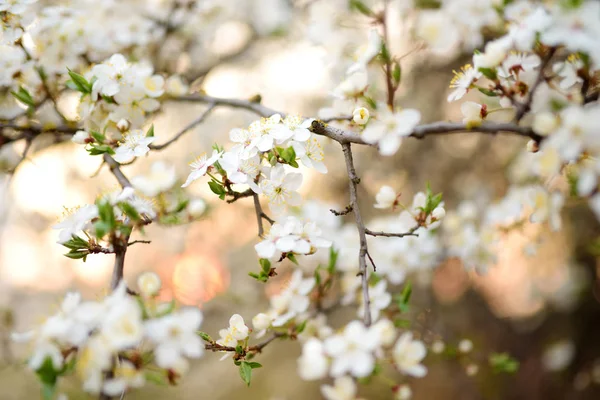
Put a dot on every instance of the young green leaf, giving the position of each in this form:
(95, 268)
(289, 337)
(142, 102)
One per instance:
(24, 96)
(246, 372)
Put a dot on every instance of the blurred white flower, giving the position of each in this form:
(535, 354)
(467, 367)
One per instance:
(408, 355)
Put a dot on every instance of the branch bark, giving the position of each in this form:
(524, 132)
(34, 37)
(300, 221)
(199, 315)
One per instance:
(360, 226)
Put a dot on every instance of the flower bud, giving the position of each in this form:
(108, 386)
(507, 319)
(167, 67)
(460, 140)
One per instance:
(438, 347)
(196, 207)
(123, 125)
(386, 197)
(80, 137)
(533, 146)
(149, 283)
(175, 86)
(403, 392)
(360, 116)
(438, 213)
(465, 346)
(261, 321)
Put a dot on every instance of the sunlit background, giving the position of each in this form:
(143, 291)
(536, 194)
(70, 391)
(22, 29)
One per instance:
(543, 309)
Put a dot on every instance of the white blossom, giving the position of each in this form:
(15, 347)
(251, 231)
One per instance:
(408, 355)
(386, 197)
(133, 144)
(389, 129)
(200, 166)
(352, 350)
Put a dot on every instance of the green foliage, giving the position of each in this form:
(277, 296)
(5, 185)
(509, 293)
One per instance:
(265, 273)
(205, 336)
(217, 188)
(385, 53)
(397, 73)
(98, 137)
(488, 92)
(571, 4)
(333, 256)
(106, 218)
(361, 8)
(433, 200)
(79, 83)
(157, 377)
(246, 370)
(150, 132)
(130, 211)
(503, 363)
(23, 96)
(288, 155)
(489, 73)
(96, 149)
(403, 299)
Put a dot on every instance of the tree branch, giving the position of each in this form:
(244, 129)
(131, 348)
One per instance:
(524, 108)
(360, 226)
(249, 105)
(411, 232)
(260, 215)
(116, 171)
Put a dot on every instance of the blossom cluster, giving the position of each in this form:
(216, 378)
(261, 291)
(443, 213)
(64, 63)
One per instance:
(89, 337)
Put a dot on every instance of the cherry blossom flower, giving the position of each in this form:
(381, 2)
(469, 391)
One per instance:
(313, 364)
(352, 350)
(75, 221)
(133, 144)
(343, 388)
(463, 81)
(236, 331)
(408, 355)
(360, 116)
(386, 197)
(200, 166)
(389, 129)
(280, 188)
(175, 336)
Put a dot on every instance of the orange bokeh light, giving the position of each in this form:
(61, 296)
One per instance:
(198, 278)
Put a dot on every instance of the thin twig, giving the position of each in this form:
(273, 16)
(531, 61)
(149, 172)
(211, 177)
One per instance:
(182, 132)
(139, 241)
(411, 232)
(524, 108)
(260, 215)
(116, 171)
(360, 226)
(345, 211)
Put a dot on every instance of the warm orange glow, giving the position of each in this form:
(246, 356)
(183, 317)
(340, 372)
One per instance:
(198, 279)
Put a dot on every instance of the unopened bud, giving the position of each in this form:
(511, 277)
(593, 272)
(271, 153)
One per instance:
(360, 116)
(149, 283)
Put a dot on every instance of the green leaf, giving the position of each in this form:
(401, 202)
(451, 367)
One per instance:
(397, 73)
(100, 138)
(246, 372)
(130, 211)
(403, 299)
(239, 349)
(385, 53)
(79, 83)
(288, 155)
(205, 336)
(402, 323)
(217, 188)
(48, 376)
(254, 365)
(76, 243)
(101, 228)
(361, 8)
(488, 92)
(265, 265)
(106, 212)
(370, 102)
(150, 132)
(301, 327)
(333, 256)
(77, 254)
(292, 258)
(23, 96)
(489, 73)
(97, 149)
(157, 377)
(503, 363)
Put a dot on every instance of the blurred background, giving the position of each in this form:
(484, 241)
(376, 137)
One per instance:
(542, 309)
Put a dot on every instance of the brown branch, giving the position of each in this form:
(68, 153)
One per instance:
(525, 107)
(260, 215)
(239, 195)
(391, 89)
(411, 232)
(345, 211)
(116, 171)
(139, 241)
(186, 129)
(360, 226)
